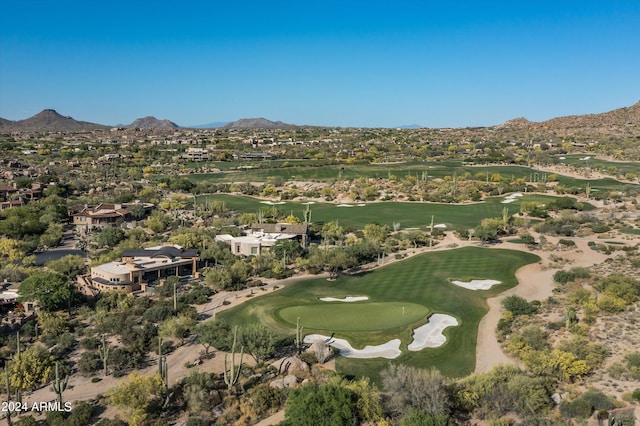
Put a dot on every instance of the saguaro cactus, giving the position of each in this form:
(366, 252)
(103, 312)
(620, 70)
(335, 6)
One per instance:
(163, 369)
(103, 351)
(59, 386)
(298, 339)
(232, 373)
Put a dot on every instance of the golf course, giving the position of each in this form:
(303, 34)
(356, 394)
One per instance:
(408, 214)
(389, 303)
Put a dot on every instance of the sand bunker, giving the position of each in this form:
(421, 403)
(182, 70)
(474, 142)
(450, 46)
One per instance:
(344, 205)
(440, 226)
(511, 198)
(389, 350)
(345, 299)
(309, 202)
(271, 203)
(476, 284)
(430, 335)
(585, 158)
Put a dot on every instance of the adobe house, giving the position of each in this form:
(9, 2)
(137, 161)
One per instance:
(138, 268)
(86, 217)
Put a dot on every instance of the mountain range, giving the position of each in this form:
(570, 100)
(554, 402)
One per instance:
(49, 120)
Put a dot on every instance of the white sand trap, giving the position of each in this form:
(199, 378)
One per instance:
(345, 205)
(309, 202)
(561, 158)
(430, 335)
(361, 205)
(347, 299)
(585, 158)
(511, 198)
(271, 203)
(440, 226)
(476, 284)
(389, 350)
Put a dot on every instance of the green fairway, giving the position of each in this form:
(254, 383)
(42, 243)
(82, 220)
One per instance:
(409, 215)
(361, 316)
(422, 280)
(311, 170)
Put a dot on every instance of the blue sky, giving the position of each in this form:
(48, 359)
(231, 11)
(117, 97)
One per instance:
(445, 63)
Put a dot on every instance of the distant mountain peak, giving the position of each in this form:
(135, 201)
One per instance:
(151, 122)
(256, 123)
(49, 120)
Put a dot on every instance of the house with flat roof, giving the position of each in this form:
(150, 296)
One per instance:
(252, 244)
(299, 230)
(138, 268)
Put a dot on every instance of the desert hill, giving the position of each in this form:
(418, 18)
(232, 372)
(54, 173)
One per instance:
(618, 118)
(49, 120)
(151, 122)
(257, 123)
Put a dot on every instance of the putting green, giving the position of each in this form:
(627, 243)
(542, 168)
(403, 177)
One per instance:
(363, 316)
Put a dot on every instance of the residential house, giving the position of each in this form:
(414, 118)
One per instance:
(87, 218)
(261, 237)
(138, 268)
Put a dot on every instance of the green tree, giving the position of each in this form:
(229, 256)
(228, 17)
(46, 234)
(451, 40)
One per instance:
(52, 324)
(289, 248)
(136, 395)
(110, 237)
(50, 290)
(69, 265)
(213, 333)
(375, 233)
(178, 327)
(52, 236)
(332, 232)
(257, 340)
(30, 368)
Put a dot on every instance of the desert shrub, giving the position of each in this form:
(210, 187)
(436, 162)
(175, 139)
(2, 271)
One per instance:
(635, 395)
(566, 243)
(80, 415)
(55, 418)
(90, 343)
(597, 399)
(572, 274)
(599, 228)
(518, 306)
(611, 304)
(265, 400)
(578, 408)
(319, 405)
(579, 296)
(633, 364)
(420, 418)
(89, 362)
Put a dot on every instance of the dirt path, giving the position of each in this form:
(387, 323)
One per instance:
(535, 282)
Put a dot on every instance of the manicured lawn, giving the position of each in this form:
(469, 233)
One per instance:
(420, 284)
(361, 316)
(409, 215)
